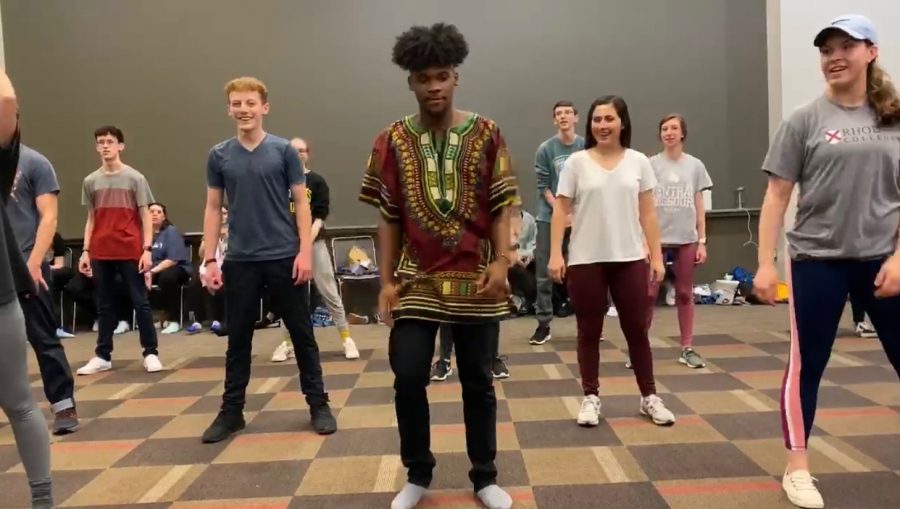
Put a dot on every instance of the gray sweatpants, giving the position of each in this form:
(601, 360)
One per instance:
(28, 423)
(323, 275)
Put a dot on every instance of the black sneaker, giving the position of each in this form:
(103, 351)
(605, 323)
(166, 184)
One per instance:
(65, 422)
(322, 420)
(225, 425)
(440, 370)
(565, 309)
(498, 367)
(541, 334)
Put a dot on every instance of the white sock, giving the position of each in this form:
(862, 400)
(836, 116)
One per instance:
(408, 497)
(494, 498)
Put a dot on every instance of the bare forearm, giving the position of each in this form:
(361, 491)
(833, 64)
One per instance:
(163, 265)
(550, 198)
(771, 221)
(650, 226)
(88, 230)
(43, 240)
(148, 226)
(212, 225)
(701, 216)
(304, 226)
(388, 250)
(500, 233)
(557, 230)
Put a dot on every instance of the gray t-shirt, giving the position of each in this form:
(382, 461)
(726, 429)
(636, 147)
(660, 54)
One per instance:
(846, 168)
(261, 226)
(548, 163)
(677, 185)
(35, 177)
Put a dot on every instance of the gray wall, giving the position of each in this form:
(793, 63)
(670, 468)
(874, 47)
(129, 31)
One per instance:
(156, 68)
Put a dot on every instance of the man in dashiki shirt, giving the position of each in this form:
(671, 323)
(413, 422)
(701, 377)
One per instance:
(441, 180)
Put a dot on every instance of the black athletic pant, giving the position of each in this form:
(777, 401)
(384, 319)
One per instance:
(410, 350)
(244, 283)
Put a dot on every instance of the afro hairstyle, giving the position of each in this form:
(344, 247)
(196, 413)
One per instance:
(420, 47)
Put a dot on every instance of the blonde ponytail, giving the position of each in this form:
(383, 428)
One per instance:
(882, 95)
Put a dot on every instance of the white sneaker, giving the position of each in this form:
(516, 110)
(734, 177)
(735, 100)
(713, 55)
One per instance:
(613, 312)
(800, 490)
(94, 366)
(350, 351)
(122, 328)
(171, 328)
(865, 330)
(653, 407)
(152, 364)
(670, 294)
(96, 326)
(589, 415)
(284, 352)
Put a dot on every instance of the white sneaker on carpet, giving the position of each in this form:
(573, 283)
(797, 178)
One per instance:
(171, 328)
(152, 364)
(122, 327)
(95, 327)
(589, 415)
(350, 350)
(653, 407)
(284, 352)
(801, 491)
(612, 311)
(865, 330)
(94, 366)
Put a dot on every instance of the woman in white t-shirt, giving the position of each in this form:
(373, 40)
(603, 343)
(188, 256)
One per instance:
(680, 181)
(608, 189)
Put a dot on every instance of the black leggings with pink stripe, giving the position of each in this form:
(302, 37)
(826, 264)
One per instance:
(589, 288)
(819, 290)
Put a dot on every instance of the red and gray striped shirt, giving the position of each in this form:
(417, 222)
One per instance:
(116, 200)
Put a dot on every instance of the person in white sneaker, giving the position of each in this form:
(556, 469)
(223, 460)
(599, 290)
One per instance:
(861, 327)
(117, 241)
(608, 190)
(681, 179)
(323, 271)
(171, 267)
(841, 150)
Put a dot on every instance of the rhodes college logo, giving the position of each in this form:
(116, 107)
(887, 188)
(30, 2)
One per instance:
(833, 136)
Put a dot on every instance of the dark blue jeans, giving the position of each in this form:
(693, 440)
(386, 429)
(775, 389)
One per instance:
(40, 325)
(107, 294)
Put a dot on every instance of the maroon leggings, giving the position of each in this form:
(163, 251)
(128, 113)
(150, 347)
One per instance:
(683, 264)
(589, 287)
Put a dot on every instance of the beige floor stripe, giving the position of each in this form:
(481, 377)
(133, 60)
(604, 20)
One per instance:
(159, 490)
(610, 465)
(387, 474)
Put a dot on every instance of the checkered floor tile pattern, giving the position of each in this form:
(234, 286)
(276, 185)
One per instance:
(139, 445)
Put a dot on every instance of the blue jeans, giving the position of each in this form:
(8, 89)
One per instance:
(107, 294)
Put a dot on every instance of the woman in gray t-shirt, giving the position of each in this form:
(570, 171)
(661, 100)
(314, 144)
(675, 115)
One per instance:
(842, 151)
(680, 181)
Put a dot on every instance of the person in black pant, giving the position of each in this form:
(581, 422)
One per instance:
(117, 242)
(442, 182)
(171, 267)
(32, 208)
(267, 246)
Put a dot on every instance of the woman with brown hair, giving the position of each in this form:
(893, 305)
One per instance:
(608, 190)
(843, 152)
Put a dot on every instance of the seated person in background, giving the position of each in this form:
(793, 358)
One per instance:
(521, 275)
(171, 267)
(82, 289)
(205, 306)
(59, 276)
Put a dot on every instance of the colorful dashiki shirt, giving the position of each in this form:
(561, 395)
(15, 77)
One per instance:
(444, 195)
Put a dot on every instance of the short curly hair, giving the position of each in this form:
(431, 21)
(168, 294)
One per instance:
(421, 47)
